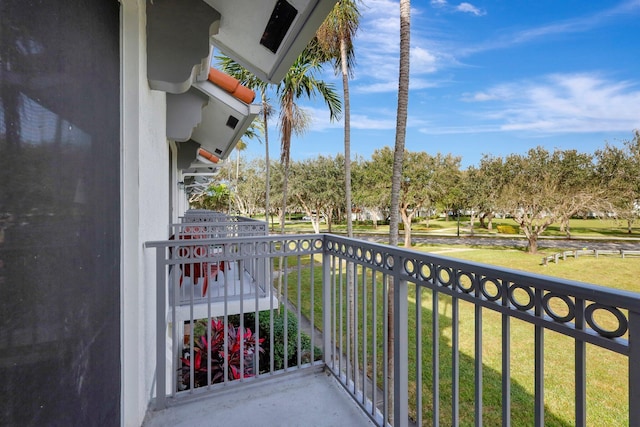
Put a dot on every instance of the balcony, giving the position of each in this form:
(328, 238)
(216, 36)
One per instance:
(207, 289)
(472, 344)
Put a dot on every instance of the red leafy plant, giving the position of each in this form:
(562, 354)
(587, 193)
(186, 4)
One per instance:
(241, 344)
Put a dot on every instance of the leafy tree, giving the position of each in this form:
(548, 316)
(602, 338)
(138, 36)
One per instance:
(617, 171)
(300, 81)
(490, 179)
(373, 183)
(577, 181)
(313, 183)
(417, 174)
(216, 198)
(249, 194)
(544, 188)
(445, 185)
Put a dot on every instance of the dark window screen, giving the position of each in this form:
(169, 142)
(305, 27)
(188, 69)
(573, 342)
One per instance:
(279, 23)
(59, 213)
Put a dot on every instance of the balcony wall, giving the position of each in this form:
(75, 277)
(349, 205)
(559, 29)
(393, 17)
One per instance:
(420, 311)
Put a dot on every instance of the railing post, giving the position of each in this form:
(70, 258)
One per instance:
(161, 332)
(634, 368)
(327, 351)
(400, 350)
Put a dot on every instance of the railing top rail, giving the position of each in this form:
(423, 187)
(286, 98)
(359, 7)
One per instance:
(197, 216)
(604, 295)
(232, 240)
(615, 297)
(217, 223)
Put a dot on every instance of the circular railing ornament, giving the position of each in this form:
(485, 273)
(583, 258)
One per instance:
(445, 275)
(426, 271)
(377, 259)
(491, 290)
(368, 255)
(608, 333)
(465, 282)
(389, 261)
(569, 304)
(410, 266)
(517, 304)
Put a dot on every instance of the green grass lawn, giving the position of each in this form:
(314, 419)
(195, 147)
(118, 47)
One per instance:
(607, 391)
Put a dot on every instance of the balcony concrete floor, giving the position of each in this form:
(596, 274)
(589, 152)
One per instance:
(302, 399)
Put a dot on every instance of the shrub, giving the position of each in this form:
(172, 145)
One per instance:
(215, 347)
(508, 229)
(278, 340)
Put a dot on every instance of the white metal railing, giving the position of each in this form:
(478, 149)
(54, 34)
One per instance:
(201, 280)
(355, 340)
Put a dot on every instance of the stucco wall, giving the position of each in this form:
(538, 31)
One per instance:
(145, 212)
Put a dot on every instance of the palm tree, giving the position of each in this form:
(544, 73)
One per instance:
(299, 81)
(396, 179)
(335, 37)
(235, 70)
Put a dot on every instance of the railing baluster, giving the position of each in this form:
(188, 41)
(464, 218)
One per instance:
(354, 322)
(271, 262)
(374, 344)
(385, 351)
(256, 321)
(580, 369)
(478, 365)
(341, 351)
(418, 346)
(192, 373)
(313, 310)
(175, 345)
(330, 270)
(455, 362)
(634, 368)
(284, 304)
(400, 349)
(539, 363)
(328, 310)
(349, 331)
(161, 330)
(506, 359)
(209, 332)
(298, 311)
(242, 328)
(435, 355)
(364, 335)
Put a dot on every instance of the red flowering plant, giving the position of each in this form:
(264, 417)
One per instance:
(241, 345)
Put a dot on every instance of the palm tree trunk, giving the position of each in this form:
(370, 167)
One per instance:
(401, 128)
(265, 115)
(347, 135)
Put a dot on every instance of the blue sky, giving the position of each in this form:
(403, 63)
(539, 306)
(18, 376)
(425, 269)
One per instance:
(487, 77)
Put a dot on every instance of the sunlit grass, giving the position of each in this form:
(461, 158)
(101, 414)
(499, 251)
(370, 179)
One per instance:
(606, 389)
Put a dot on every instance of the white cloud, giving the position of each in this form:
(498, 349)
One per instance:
(574, 25)
(378, 48)
(423, 60)
(469, 8)
(438, 3)
(561, 103)
(360, 121)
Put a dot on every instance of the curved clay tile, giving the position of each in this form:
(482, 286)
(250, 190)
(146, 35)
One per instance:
(231, 85)
(207, 155)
